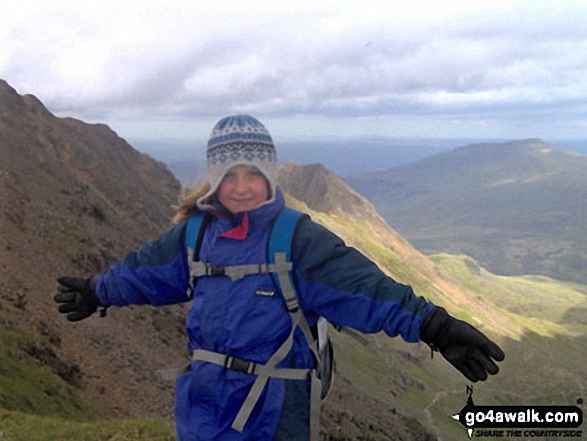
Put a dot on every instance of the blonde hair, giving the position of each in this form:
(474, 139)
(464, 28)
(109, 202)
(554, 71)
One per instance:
(188, 205)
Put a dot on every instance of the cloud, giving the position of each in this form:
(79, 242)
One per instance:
(331, 59)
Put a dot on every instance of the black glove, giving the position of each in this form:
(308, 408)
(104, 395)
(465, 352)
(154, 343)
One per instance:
(464, 346)
(77, 298)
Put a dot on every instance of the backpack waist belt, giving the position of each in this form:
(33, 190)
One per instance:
(249, 367)
(281, 268)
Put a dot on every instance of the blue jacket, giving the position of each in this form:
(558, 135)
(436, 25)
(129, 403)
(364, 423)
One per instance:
(333, 280)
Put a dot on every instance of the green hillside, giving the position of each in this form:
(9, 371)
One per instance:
(19, 426)
(517, 208)
(28, 385)
(558, 307)
(539, 322)
(36, 404)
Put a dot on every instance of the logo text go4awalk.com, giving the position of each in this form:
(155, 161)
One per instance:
(520, 421)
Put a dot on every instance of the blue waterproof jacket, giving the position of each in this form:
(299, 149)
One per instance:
(240, 319)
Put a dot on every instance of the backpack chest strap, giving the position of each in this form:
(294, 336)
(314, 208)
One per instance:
(280, 268)
(199, 269)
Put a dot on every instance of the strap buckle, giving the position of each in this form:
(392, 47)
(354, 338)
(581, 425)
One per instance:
(199, 269)
(292, 305)
(215, 270)
(236, 364)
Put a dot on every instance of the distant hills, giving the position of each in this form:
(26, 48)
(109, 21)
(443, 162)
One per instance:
(345, 157)
(517, 207)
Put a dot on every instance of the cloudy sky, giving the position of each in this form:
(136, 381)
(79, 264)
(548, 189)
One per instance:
(477, 69)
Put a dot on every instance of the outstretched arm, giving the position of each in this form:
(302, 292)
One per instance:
(339, 283)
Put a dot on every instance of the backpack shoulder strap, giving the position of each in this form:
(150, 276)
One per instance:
(283, 230)
(194, 232)
(281, 240)
(280, 254)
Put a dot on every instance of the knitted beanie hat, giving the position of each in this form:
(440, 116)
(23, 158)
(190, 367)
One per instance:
(240, 140)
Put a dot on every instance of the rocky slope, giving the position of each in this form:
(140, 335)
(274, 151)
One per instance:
(73, 198)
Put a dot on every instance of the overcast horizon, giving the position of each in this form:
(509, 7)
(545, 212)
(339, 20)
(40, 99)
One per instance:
(316, 70)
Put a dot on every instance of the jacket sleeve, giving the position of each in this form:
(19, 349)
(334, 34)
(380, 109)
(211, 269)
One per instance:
(156, 274)
(342, 285)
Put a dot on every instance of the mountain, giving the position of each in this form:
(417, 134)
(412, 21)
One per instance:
(322, 190)
(73, 198)
(518, 207)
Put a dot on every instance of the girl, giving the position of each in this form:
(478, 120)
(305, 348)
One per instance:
(237, 325)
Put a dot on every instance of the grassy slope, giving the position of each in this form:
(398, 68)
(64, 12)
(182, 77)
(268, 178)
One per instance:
(539, 322)
(35, 404)
(28, 386)
(18, 426)
(545, 306)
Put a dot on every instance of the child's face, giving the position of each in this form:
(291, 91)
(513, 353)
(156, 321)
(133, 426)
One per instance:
(243, 188)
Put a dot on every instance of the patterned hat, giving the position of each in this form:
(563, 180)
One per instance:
(240, 140)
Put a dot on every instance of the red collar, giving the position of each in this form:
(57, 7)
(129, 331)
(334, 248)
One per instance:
(240, 232)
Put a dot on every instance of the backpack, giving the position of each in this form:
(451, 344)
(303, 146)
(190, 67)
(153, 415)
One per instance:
(280, 267)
